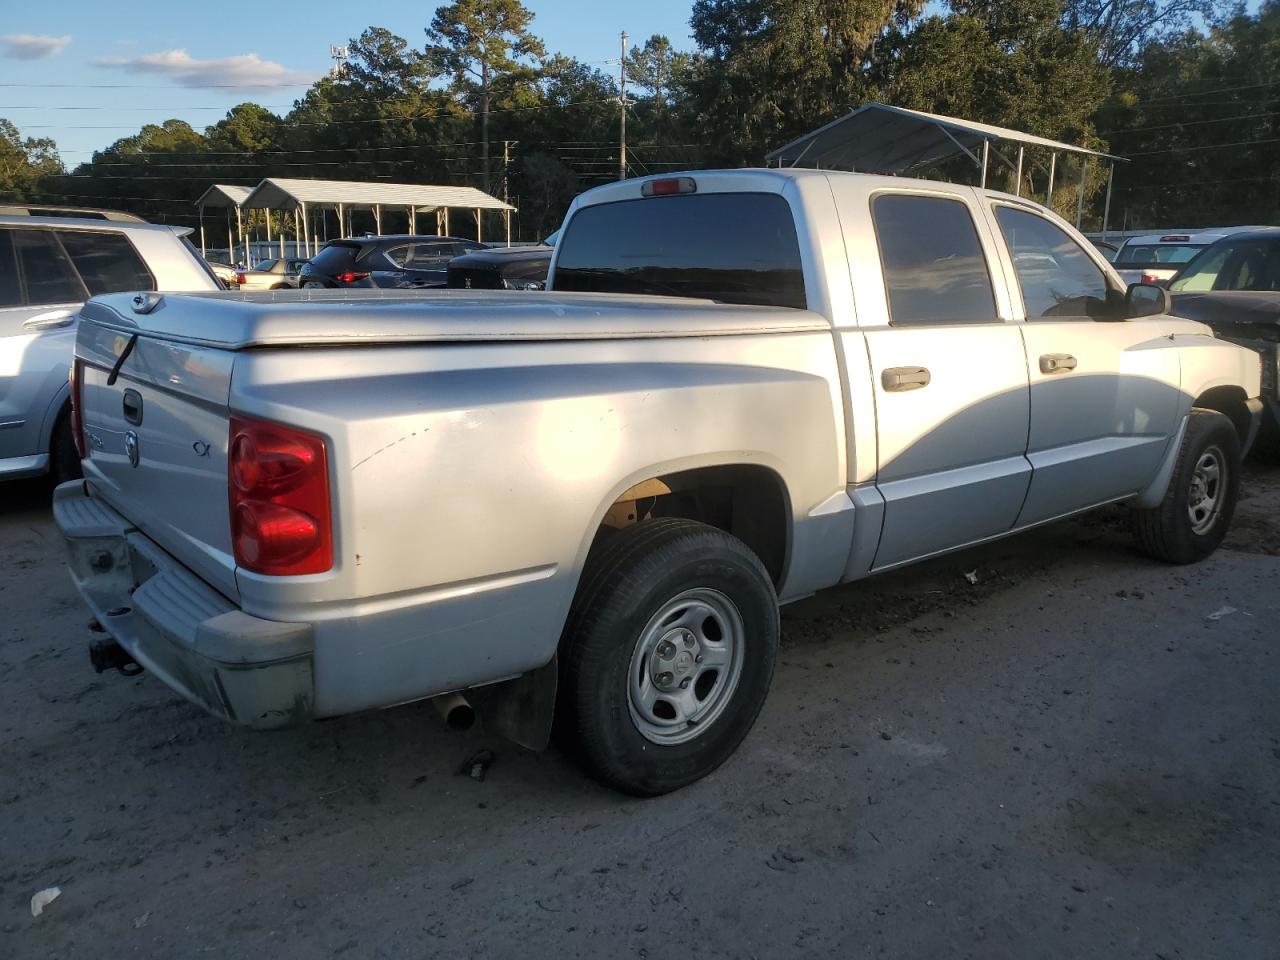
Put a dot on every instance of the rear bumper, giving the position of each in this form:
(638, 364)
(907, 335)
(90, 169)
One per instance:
(252, 672)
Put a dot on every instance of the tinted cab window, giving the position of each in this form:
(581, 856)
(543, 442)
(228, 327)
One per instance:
(1057, 278)
(107, 262)
(731, 247)
(934, 267)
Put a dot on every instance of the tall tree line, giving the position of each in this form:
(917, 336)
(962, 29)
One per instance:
(1184, 88)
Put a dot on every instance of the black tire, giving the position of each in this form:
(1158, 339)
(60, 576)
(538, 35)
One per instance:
(635, 574)
(64, 459)
(280, 286)
(1168, 532)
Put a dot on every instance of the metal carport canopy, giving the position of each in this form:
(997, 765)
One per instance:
(878, 138)
(287, 194)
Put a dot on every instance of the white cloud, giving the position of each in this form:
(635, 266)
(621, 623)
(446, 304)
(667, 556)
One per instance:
(245, 70)
(28, 46)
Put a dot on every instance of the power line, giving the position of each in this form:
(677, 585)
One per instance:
(289, 125)
(1186, 123)
(1207, 146)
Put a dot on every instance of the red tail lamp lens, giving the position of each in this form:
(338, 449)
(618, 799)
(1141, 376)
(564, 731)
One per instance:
(350, 277)
(281, 516)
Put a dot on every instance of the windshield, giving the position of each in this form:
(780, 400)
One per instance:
(731, 247)
(1150, 254)
(1233, 265)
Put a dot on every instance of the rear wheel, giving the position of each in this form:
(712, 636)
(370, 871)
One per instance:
(64, 458)
(669, 653)
(1196, 512)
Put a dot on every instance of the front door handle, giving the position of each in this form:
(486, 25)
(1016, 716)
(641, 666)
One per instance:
(1057, 362)
(899, 379)
(50, 321)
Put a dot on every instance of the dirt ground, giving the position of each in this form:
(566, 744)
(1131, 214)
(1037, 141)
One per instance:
(1077, 755)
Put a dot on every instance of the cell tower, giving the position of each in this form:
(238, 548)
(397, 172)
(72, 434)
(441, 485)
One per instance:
(339, 55)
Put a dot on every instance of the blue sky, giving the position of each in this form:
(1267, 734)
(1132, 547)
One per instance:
(162, 56)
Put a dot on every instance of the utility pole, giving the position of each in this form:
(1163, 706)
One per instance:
(622, 129)
(506, 164)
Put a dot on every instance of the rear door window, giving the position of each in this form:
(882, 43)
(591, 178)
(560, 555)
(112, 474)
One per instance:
(934, 267)
(47, 272)
(731, 247)
(1058, 279)
(107, 262)
(431, 256)
(10, 288)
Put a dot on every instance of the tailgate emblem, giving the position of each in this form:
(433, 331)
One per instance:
(131, 447)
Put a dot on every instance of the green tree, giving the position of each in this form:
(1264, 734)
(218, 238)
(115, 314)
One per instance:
(777, 68)
(25, 164)
(484, 45)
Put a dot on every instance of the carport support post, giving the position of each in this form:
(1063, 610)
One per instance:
(1053, 169)
(306, 230)
(240, 234)
(267, 214)
(1017, 187)
(202, 253)
(377, 218)
(506, 214)
(413, 220)
(342, 221)
(231, 241)
(1106, 208)
(297, 235)
(986, 149)
(478, 231)
(1084, 170)
(446, 221)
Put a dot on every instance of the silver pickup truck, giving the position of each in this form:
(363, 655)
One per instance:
(742, 387)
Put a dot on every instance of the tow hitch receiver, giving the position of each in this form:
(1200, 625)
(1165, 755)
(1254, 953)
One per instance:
(108, 655)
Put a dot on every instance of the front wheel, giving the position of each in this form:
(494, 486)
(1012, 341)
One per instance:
(1193, 518)
(668, 654)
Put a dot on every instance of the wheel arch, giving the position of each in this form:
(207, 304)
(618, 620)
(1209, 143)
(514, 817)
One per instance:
(1231, 401)
(749, 500)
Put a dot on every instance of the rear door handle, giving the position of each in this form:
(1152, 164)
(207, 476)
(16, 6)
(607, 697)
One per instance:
(50, 321)
(899, 379)
(1057, 362)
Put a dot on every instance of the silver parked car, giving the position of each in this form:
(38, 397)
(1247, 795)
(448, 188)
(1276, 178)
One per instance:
(277, 274)
(49, 265)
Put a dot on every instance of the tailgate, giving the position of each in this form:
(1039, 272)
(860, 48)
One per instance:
(156, 442)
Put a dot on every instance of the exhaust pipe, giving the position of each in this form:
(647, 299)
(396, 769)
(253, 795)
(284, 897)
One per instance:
(457, 713)
(108, 655)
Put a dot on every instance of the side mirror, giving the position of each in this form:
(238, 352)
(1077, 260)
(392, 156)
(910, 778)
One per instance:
(1146, 300)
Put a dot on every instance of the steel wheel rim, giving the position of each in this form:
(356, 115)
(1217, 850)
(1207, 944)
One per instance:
(686, 666)
(1207, 494)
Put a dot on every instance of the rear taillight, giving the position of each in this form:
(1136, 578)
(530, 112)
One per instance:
(240, 278)
(281, 518)
(1151, 278)
(77, 407)
(350, 277)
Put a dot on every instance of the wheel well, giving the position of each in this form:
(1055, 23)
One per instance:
(749, 502)
(1230, 401)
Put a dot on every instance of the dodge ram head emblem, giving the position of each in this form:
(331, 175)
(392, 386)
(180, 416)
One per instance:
(131, 447)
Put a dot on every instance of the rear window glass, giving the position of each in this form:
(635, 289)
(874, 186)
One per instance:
(46, 270)
(731, 247)
(10, 290)
(266, 266)
(934, 267)
(1147, 254)
(335, 257)
(107, 262)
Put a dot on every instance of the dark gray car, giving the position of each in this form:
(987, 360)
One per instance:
(1234, 287)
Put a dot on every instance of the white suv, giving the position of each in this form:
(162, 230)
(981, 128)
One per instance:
(49, 265)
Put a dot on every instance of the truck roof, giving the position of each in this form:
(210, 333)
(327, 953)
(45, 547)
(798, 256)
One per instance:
(774, 180)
